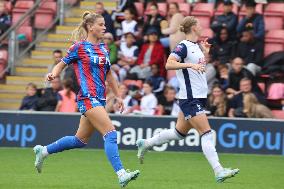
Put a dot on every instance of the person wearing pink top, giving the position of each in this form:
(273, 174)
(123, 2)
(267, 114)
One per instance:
(66, 98)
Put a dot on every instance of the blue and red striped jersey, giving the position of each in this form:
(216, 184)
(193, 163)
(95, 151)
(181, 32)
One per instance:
(91, 64)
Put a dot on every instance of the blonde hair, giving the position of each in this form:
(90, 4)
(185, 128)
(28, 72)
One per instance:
(88, 19)
(187, 24)
(222, 105)
(250, 101)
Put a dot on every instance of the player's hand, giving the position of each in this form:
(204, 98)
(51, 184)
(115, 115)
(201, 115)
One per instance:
(198, 67)
(120, 104)
(205, 45)
(49, 77)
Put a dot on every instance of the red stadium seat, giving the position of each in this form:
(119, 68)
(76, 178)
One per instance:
(204, 12)
(27, 31)
(274, 41)
(20, 9)
(163, 8)
(140, 8)
(279, 114)
(44, 16)
(206, 33)
(220, 9)
(258, 9)
(175, 1)
(261, 86)
(184, 8)
(8, 6)
(273, 16)
(276, 91)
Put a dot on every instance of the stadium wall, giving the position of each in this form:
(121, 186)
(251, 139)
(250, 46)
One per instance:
(254, 136)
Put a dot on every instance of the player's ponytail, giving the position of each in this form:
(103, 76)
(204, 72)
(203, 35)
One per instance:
(81, 32)
(187, 23)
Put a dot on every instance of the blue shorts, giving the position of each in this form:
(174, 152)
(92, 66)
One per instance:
(192, 107)
(89, 103)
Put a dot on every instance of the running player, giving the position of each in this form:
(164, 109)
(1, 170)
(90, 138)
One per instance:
(90, 59)
(189, 62)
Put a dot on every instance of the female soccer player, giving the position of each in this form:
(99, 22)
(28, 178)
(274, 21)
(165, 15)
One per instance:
(90, 59)
(189, 62)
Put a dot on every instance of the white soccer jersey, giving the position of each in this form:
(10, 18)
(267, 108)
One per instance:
(192, 84)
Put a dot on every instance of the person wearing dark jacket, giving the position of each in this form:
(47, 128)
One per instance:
(99, 9)
(5, 19)
(252, 20)
(222, 47)
(251, 51)
(30, 100)
(48, 99)
(227, 20)
(153, 19)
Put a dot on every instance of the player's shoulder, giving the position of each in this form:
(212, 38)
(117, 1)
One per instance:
(75, 45)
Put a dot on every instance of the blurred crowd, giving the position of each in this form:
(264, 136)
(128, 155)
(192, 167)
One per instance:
(138, 51)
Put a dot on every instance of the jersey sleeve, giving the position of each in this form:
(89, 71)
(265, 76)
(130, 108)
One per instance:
(180, 52)
(72, 54)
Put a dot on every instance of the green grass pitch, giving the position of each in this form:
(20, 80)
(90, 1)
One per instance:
(89, 169)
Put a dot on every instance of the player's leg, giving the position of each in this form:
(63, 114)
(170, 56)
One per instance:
(82, 136)
(201, 124)
(101, 121)
(165, 136)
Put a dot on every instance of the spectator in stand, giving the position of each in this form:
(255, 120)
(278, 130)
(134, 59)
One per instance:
(57, 56)
(109, 40)
(236, 103)
(167, 103)
(157, 80)
(236, 74)
(227, 20)
(223, 72)
(5, 19)
(148, 102)
(99, 9)
(251, 51)
(175, 19)
(223, 48)
(210, 73)
(128, 101)
(217, 102)
(252, 20)
(30, 100)
(129, 25)
(127, 56)
(66, 98)
(151, 53)
(48, 99)
(254, 109)
(153, 19)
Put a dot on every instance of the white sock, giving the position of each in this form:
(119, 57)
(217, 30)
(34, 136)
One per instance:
(45, 152)
(163, 137)
(120, 172)
(209, 151)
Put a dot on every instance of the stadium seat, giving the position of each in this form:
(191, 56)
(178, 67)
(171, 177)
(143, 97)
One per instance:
(276, 91)
(206, 33)
(184, 8)
(274, 41)
(8, 6)
(204, 12)
(279, 114)
(163, 8)
(140, 9)
(273, 16)
(261, 86)
(27, 31)
(175, 1)
(220, 9)
(44, 15)
(21, 7)
(258, 9)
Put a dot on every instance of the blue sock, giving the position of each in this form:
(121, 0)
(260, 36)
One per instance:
(111, 150)
(65, 143)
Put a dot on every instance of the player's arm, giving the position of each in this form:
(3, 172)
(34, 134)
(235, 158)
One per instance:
(174, 64)
(56, 71)
(114, 86)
